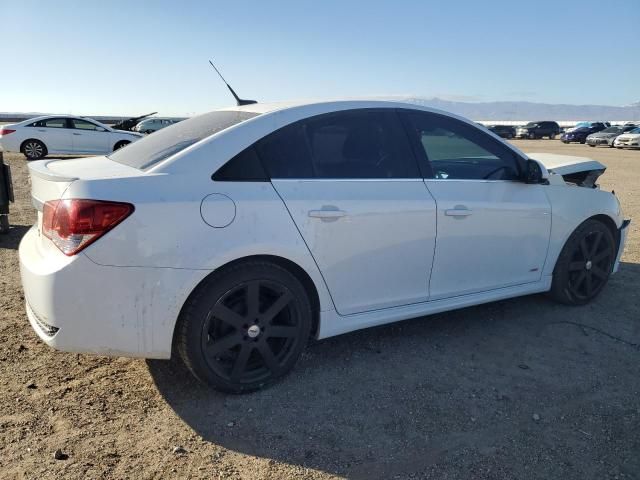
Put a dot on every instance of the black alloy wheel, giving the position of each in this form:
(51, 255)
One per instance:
(245, 327)
(585, 264)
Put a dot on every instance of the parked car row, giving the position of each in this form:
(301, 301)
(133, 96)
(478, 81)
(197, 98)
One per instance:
(590, 133)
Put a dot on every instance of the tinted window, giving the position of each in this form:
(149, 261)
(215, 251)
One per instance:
(244, 167)
(51, 123)
(84, 125)
(359, 144)
(164, 143)
(456, 150)
(284, 153)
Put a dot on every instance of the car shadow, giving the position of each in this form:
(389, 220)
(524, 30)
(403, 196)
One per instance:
(455, 390)
(11, 239)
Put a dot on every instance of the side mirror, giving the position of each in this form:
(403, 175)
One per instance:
(100, 129)
(535, 172)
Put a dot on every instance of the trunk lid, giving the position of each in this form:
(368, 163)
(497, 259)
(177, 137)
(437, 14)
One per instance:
(51, 178)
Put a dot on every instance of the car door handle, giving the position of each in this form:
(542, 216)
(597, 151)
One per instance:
(327, 214)
(77, 133)
(41, 130)
(458, 211)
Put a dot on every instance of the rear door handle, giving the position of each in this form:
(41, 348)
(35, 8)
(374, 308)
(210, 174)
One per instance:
(41, 130)
(458, 211)
(77, 133)
(327, 214)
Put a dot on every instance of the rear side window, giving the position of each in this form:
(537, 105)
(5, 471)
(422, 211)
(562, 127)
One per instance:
(357, 144)
(285, 153)
(360, 144)
(244, 167)
(148, 151)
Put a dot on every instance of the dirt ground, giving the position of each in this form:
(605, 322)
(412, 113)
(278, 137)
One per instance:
(522, 389)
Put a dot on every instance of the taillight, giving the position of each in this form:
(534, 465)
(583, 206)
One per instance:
(5, 131)
(73, 224)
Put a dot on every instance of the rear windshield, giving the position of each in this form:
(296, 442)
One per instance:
(164, 143)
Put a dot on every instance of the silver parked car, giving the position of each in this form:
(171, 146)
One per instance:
(608, 135)
(150, 125)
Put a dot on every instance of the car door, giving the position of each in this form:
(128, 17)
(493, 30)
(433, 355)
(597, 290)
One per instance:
(493, 229)
(351, 184)
(89, 137)
(54, 132)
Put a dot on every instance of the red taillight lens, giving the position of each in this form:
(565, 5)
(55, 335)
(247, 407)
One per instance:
(5, 131)
(73, 224)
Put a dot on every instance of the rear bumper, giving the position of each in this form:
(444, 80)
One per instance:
(76, 305)
(624, 229)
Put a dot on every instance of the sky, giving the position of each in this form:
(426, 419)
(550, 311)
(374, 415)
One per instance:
(120, 57)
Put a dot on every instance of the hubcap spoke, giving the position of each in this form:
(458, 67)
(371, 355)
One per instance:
(228, 316)
(241, 362)
(282, 331)
(269, 358)
(277, 307)
(253, 299)
(579, 280)
(576, 266)
(219, 346)
(601, 256)
(598, 272)
(589, 283)
(596, 244)
(584, 248)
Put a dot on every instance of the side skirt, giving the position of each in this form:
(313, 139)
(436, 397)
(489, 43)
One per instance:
(331, 323)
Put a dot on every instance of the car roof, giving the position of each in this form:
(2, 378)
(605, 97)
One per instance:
(335, 104)
(44, 117)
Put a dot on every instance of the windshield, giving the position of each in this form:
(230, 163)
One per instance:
(612, 130)
(164, 143)
(635, 130)
(531, 124)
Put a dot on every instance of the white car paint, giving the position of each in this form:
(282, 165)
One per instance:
(376, 250)
(64, 141)
(628, 140)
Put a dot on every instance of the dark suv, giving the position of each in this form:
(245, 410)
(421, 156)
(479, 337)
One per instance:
(538, 130)
(504, 131)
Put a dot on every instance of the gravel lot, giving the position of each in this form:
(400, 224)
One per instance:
(522, 388)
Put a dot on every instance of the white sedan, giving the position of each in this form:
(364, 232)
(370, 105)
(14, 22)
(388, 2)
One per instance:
(630, 139)
(234, 237)
(60, 134)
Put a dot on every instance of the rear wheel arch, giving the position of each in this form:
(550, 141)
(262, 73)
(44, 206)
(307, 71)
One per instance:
(120, 144)
(296, 270)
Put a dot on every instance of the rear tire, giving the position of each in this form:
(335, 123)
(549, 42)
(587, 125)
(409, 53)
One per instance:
(244, 327)
(120, 144)
(584, 265)
(33, 149)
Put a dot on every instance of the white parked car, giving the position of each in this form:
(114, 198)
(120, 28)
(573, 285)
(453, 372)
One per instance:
(62, 134)
(630, 139)
(234, 237)
(150, 125)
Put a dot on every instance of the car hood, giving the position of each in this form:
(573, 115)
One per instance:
(566, 164)
(629, 136)
(133, 134)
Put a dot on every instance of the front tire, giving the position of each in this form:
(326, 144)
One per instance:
(244, 327)
(33, 149)
(584, 265)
